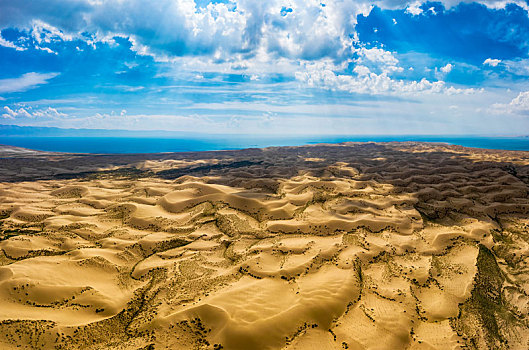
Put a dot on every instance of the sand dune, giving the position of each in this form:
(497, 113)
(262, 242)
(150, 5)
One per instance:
(350, 246)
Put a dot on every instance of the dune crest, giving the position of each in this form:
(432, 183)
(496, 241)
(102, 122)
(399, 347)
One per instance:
(350, 246)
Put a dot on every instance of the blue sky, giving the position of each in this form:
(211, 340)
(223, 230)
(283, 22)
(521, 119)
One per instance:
(278, 66)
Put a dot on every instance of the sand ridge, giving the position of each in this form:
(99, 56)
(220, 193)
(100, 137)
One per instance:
(356, 246)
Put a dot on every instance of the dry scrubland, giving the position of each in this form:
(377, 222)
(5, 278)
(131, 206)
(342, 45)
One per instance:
(351, 246)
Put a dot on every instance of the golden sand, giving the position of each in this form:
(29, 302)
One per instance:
(350, 246)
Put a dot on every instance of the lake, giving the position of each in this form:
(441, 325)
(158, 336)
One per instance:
(92, 144)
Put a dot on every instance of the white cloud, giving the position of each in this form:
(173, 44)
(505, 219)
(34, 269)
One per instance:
(518, 105)
(48, 113)
(30, 113)
(25, 82)
(414, 8)
(8, 113)
(384, 60)
(244, 36)
(5, 43)
(17, 113)
(495, 4)
(172, 28)
(493, 62)
(323, 75)
(361, 70)
(447, 69)
(518, 66)
(46, 49)
(44, 33)
(234, 31)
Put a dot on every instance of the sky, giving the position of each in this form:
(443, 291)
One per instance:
(267, 67)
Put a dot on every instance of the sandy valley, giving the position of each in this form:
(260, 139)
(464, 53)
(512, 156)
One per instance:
(349, 246)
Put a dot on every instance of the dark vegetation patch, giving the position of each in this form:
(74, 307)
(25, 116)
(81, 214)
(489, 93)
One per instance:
(121, 173)
(171, 174)
(8, 233)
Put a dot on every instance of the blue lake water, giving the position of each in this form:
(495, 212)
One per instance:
(228, 142)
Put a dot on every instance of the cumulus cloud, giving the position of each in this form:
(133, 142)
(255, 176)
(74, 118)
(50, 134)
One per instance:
(248, 36)
(48, 113)
(447, 69)
(25, 82)
(323, 75)
(12, 114)
(495, 4)
(30, 113)
(380, 58)
(172, 28)
(5, 43)
(414, 8)
(518, 105)
(235, 30)
(306, 29)
(493, 62)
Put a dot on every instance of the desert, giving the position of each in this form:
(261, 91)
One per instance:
(330, 246)
(264, 175)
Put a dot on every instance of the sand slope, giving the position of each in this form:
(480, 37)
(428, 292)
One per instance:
(351, 246)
